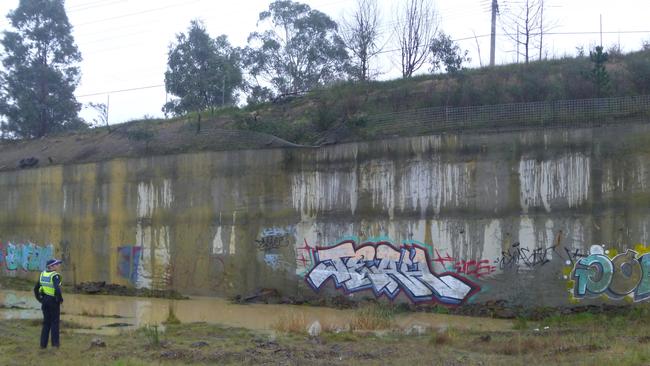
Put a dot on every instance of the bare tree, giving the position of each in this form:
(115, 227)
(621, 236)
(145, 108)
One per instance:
(524, 23)
(361, 34)
(417, 23)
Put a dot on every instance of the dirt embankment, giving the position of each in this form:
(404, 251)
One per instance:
(130, 140)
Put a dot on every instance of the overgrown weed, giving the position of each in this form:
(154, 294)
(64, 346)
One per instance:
(372, 317)
(152, 334)
(292, 323)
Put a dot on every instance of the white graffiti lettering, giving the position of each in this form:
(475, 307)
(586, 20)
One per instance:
(387, 270)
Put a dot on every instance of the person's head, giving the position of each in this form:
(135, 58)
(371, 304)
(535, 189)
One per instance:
(53, 264)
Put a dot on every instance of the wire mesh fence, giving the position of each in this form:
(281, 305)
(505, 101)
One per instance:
(509, 116)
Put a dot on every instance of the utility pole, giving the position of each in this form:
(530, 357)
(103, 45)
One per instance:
(541, 29)
(601, 30)
(493, 35)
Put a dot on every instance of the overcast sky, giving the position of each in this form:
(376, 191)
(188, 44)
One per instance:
(124, 43)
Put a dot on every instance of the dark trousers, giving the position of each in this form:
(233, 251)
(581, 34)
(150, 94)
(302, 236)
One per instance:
(51, 315)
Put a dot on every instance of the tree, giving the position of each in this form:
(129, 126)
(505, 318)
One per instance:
(599, 75)
(361, 35)
(202, 72)
(300, 51)
(446, 53)
(525, 25)
(40, 71)
(102, 114)
(416, 25)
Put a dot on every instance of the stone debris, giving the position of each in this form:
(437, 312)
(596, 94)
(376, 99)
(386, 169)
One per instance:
(315, 329)
(417, 330)
(97, 342)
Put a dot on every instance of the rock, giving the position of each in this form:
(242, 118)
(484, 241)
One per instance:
(97, 342)
(171, 354)
(27, 162)
(264, 295)
(417, 330)
(485, 338)
(199, 344)
(315, 329)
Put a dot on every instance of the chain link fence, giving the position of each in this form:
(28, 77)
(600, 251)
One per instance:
(563, 113)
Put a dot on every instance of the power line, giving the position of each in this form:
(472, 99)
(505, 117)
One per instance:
(138, 13)
(120, 91)
(381, 52)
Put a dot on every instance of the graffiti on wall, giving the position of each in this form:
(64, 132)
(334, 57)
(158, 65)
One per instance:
(387, 270)
(304, 258)
(274, 238)
(473, 267)
(27, 257)
(128, 261)
(616, 276)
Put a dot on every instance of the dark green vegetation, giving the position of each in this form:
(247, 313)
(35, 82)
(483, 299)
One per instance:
(299, 50)
(582, 339)
(40, 72)
(203, 72)
(293, 74)
(353, 106)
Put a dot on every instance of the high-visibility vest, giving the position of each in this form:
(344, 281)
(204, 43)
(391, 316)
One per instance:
(47, 282)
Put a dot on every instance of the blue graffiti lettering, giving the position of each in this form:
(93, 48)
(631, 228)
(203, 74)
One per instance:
(592, 275)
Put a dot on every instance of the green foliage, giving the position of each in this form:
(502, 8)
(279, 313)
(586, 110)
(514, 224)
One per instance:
(139, 135)
(520, 323)
(152, 334)
(40, 73)
(445, 53)
(202, 72)
(638, 65)
(325, 116)
(599, 74)
(299, 51)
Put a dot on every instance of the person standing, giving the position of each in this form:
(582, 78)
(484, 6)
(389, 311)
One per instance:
(48, 292)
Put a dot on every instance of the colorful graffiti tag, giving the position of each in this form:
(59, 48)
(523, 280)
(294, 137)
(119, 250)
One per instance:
(624, 274)
(387, 270)
(28, 257)
(128, 261)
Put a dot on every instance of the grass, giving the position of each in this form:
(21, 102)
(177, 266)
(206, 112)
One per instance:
(373, 317)
(293, 323)
(579, 339)
(152, 335)
(17, 283)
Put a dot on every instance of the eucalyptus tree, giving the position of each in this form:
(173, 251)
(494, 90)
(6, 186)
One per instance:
(447, 54)
(297, 49)
(41, 71)
(202, 73)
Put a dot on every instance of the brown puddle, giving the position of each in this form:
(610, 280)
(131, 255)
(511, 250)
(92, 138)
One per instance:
(110, 314)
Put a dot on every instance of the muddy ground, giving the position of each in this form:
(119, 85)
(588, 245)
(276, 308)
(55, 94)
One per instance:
(582, 339)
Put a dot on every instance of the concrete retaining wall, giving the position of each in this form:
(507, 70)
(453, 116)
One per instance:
(534, 218)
